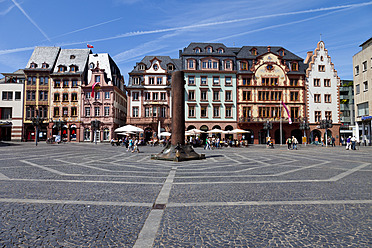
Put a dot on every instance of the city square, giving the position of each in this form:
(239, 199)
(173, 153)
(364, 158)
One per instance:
(87, 195)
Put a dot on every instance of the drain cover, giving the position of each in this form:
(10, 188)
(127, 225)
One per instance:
(158, 206)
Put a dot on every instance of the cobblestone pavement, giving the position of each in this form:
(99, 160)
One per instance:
(86, 195)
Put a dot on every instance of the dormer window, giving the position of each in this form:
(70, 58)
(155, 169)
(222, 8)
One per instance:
(254, 51)
(220, 50)
(170, 67)
(197, 50)
(294, 66)
(156, 67)
(44, 65)
(209, 49)
(72, 56)
(73, 68)
(141, 67)
(61, 68)
(33, 65)
(244, 66)
(281, 52)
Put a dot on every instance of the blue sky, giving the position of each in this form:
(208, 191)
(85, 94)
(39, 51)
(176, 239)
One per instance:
(130, 29)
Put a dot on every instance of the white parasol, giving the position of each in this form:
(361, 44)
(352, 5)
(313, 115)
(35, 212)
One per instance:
(128, 128)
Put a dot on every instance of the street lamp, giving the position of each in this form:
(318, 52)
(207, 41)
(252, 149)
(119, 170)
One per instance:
(95, 126)
(304, 126)
(325, 124)
(268, 126)
(36, 121)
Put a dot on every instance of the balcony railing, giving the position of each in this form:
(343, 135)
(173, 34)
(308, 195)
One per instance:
(272, 119)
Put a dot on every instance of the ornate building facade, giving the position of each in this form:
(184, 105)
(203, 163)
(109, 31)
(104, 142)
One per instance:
(323, 93)
(65, 93)
(149, 94)
(266, 78)
(103, 99)
(210, 89)
(37, 93)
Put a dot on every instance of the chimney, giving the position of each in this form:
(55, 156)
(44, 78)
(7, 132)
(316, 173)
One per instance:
(268, 48)
(308, 57)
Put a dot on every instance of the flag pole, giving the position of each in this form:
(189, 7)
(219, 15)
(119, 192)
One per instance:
(281, 126)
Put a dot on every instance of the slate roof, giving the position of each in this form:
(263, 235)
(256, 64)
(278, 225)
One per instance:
(18, 73)
(189, 50)
(80, 59)
(165, 60)
(245, 52)
(43, 54)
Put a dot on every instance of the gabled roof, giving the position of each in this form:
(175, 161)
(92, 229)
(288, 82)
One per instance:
(104, 63)
(164, 61)
(79, 59)
(43, 54)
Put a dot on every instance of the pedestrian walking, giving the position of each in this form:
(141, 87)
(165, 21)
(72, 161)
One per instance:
(353, 142)
(294, 143)
(135, 146)
(348, 143)
(333, 141)
(207, 144)
(130, 145)
(289, 142)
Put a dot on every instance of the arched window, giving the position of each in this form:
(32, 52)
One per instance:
(197, 50)
(86, 134)
(191, 64)
(209, 63)
(209, 49)
(106, 134)
(204, 128)
(191, 127)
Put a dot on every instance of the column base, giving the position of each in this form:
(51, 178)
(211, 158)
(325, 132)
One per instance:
(178, 153)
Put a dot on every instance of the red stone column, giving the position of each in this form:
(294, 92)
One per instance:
(178, 108)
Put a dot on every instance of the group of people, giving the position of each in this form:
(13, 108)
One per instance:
(330, 141)
(292, 143)
(130, 143)
(351, 143)
(216, 142)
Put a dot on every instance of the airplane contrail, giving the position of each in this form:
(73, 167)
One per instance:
(29, 18)
(81, 29)
(7, 10)
(15, 50)
(137, 33)
(276, 26)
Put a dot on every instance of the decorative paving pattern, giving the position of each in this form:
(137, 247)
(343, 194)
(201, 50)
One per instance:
(79, 195)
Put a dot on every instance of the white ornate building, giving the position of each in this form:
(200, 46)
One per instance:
(322, 93)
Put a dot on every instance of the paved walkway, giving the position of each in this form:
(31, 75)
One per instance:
(82, 195)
